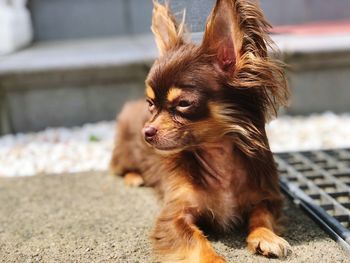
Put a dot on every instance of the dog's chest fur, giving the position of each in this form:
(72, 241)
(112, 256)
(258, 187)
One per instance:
(216, 164)
(223, 177)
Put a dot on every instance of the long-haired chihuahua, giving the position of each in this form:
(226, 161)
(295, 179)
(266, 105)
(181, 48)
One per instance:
(200, 139)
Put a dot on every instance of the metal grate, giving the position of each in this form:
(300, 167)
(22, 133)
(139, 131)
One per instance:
(320, 182)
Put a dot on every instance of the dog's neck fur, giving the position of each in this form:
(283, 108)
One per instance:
(217, 164)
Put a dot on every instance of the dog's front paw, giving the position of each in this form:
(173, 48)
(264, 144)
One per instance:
(264, 241)
(207, 255)
(217, 259)
(213, 259)
(210, 256)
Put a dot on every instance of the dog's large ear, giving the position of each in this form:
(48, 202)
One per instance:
(237, 37)
(223, 37)
(168, 33)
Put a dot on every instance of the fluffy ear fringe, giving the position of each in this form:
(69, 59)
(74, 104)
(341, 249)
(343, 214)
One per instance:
(255, 69)
(168, 33)
(257, 75)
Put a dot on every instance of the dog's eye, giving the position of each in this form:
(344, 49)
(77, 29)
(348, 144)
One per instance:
(150, 105)
(184, 104)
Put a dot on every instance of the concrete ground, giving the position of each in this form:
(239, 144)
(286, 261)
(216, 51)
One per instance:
(94, 218)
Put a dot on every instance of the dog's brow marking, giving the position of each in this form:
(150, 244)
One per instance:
(150, 92)
(173, 93)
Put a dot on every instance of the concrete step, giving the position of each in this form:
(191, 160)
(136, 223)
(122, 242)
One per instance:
(72, 82)
(318, 60)
(68, 83)
(93, 217)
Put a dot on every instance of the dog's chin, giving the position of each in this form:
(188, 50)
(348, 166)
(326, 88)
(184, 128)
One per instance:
(166, 149)
(167, 152)
(168, 146)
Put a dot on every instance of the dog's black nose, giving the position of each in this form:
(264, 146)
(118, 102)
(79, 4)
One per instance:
(149, 131)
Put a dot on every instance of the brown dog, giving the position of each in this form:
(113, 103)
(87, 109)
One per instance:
(203, 144)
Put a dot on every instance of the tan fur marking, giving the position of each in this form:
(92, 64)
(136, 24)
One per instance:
(173, 94)
(150, 93)
(133, 179)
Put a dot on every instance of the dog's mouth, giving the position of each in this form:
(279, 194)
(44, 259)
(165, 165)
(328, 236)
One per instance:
(165, 149)
(170, 142)
(168, 150)
(166, 146)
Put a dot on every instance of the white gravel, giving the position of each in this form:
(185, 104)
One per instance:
(88, 148)
(58, 150)
(318, 131)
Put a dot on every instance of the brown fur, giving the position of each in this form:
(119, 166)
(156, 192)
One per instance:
(209, 158)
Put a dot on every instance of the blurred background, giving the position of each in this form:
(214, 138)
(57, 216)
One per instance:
(67, 67)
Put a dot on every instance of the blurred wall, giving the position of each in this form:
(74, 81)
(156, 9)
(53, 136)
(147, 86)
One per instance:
(70, 19)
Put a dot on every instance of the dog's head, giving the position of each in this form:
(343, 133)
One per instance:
(225, 85)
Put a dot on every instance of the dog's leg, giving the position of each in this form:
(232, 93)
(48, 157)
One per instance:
(177, 239)
(133, 179)
(115, 167)
(261, 238)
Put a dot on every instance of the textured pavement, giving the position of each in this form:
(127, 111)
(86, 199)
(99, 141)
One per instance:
(93, 217)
